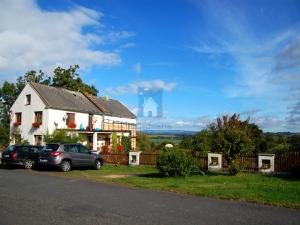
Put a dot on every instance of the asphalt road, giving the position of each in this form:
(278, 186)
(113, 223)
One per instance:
(28, 198)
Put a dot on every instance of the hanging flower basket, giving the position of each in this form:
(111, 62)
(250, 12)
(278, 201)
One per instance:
(36, 124)
(72, 125)
(17, 124)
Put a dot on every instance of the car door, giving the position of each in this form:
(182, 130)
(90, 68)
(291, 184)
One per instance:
(22, 152)
(34, 153)
(71, 151)
(86, 156)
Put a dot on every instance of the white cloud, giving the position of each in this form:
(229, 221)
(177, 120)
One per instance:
(265, 68)
(134, 87)
(32, 38)
(137, 68)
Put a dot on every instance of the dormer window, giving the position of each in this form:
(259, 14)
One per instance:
(28, 100)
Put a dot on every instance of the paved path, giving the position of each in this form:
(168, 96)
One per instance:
(38, 199)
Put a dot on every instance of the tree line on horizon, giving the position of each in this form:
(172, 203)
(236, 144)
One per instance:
(230, 132)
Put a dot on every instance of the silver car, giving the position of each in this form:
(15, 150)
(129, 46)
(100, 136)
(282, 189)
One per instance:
(67, 156)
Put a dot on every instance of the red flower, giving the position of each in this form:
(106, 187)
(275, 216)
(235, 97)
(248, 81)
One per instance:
(72, 125)
(36, 124)
(18, 123)
(120, 148)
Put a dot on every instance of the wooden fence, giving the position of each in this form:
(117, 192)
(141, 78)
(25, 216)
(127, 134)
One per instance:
(284, 163)
(115, 158)
(148, 158)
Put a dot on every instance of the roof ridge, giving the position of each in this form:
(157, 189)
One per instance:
(89, 97)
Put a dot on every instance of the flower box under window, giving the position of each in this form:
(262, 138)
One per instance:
(36, 124)
(18, 123)
(72, 125)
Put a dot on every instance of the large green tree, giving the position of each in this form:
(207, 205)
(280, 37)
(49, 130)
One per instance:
(231, 136)
(70, 79)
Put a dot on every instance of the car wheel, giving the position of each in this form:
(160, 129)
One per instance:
(65, 166)
(28, 164)
(97, 165)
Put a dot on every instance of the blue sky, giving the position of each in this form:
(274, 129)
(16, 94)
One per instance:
(209, 57)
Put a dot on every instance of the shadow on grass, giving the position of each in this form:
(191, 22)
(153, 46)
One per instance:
(288, 177)
(151, 175)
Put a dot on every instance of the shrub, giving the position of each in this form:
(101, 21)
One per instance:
(176, 162)
(233, 168)
(61, 136)
(126, 142)
(114, 140)
(143, 142)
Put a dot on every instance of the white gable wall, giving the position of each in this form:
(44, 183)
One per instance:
(26, 129)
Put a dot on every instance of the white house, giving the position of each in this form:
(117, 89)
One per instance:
(41, 109)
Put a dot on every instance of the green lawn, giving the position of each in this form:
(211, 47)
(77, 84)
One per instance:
(253, 187)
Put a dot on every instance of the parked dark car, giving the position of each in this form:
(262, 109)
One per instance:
(66, 156)
(25, 155)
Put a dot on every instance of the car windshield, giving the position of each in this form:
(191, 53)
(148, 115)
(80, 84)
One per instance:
(51, 147)
(10, 148)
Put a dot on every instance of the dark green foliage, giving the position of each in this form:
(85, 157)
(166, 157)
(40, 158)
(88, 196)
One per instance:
(231, 137)
(257, 137)
(176, 162)
(126, 142)
(202, 142)
(32, 76)
(294, 141)
(187, 142)
(70, 79)
(276, 144)
(4, 136)
(61, 136)
(143, 142)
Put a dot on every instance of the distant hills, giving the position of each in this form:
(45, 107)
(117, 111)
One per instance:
(190, 133)
(171, 132)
